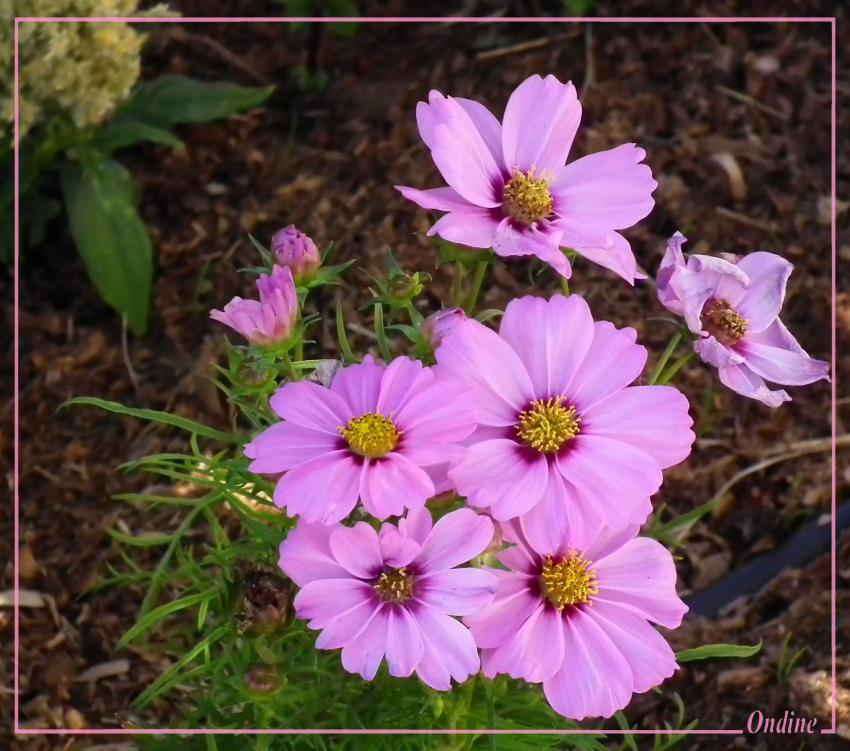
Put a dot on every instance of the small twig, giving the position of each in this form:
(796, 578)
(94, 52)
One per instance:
(181, 35)
(125, 352)
(513, 49)
(737, 216)
(741, 97)
(589, 68)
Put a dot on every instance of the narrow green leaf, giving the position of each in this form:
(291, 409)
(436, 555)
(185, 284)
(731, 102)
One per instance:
(110, 236)
(342, 336)
(154, 415)
(169, 100)
(120, 135)
(139, 541)
(148, 621)
(713, 651)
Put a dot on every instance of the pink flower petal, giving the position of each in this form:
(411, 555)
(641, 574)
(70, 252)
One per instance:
(357, 550)
(596, 680)
(500, 621)
(391, 484)
(405, 646)
(359, 385)
(363, 654)
(535, 652)
(781, 365)
(608, 249)
(285, 445)
(654, 419)
(449, 650)
(540, 123)
(322, 602)
(604, 468)
(348, 624)
(456, 538)
(714, 353)
(402, 379)
(612, 362)
(763, 300)
(324, 489)
(416, 524)
(305, 554)
(607, 540)
(500, 475)
(443, 412)
(436, 111)
(672, 264)
(551, 337)
(459, 591)
(606, 190)
(542, 240)
(439, 199)
(475, 228)
(311, 406)
(649, 655)
(397, 549)
(561, 515)
(481, 359)
(743, 381)
(641, 576)
(463, 158)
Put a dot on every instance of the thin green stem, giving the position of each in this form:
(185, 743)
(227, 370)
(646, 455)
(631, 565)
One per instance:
(565, 286)
(291, 373)
(458, 272)
(477, 279)
(671, 372)
(665, 356)
(491, 712)
(381, 333)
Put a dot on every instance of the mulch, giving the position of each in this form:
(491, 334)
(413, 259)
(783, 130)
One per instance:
(736, 123)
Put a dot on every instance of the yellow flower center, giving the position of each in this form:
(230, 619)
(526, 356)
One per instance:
(526, 198)
(569, 581)
(547, 425)
(722, 321)
(371, 435)
(395, 585)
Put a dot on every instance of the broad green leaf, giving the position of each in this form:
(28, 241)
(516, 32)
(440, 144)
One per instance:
(110, 236)
(169, 100)
(120, 135)
(155, 416)
(713, 651)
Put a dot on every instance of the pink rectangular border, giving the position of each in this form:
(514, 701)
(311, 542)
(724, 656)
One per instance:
(18, 730)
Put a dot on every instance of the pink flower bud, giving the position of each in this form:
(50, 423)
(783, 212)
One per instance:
(297, 252)
(439, 324)
(269, 320)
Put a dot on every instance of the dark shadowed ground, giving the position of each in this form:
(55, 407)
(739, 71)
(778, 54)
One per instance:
(736, 123)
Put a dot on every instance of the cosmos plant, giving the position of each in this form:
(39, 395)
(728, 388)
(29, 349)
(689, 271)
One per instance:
(463, 494)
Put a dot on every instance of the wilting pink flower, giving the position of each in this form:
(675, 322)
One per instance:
(369, 436)
(297, 252)
(509, 188)
(439, 324)
(269, 320)
(563, 440)
(392, 593)
(733, 306)
(576, 618)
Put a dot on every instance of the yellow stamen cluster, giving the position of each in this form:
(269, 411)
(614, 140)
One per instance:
(724, 323)
(547, 424)
(569, 581)
(527, 198)
(371, 435)
(395, 585)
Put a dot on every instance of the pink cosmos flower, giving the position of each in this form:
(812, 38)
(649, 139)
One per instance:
(392, 593)
(733, 306)
(269, 321)
(509, 188)
(369, 435)
(576, 618)
(563, 440)
(297, 251)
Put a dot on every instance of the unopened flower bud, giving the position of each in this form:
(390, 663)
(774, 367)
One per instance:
(439, 324)
(262, 680)
(296, 251)
(271, 319)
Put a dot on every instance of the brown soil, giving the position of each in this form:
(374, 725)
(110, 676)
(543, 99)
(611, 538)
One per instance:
(327, 161)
